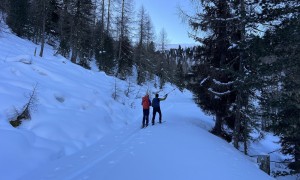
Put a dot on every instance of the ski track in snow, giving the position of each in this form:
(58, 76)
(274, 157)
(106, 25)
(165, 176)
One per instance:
(157, 151)
(85, 160)
(164, 151)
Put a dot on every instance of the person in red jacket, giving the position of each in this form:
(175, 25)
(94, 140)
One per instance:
(146, 110)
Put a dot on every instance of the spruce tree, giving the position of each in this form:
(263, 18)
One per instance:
(280, 102)
(104, 51)
(140, 50)
(151, 56)
(4, 5)
(214, 91)
(17, 17)
(179, 75)
(81, 31)
(124, 47)
(64, 30)
(125, 61)
(287, 119)
(53, 17)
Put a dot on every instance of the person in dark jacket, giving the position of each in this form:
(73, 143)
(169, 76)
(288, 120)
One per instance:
(156, 107)
(146, 110)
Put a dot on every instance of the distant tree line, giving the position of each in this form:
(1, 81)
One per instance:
(81, 30)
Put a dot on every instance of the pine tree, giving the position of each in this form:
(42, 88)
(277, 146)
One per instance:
(99, 35)
(4, 6)
(150, 47)
(163, 40)
(150, 59)
(226, 69)
(43, 27)
(64, 30)
(104, 51)
(249, 73)
(81, 31)
(179, 76)
(108, 16)
(124, 48)
(280, 101)
(215, 93)
(17, 16)
(52, 18)
(286, 120)
(140, 50)
(125, 61)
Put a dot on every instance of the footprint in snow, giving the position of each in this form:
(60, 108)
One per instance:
(57, 169)
(82, 156)
(112, 162)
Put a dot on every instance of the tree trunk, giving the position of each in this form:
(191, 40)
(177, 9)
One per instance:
(122, 29)
(102, 23)
(264, 163)
(297, 153)
(237, 122)
(217, 130)
(102, 31)
(74, 56)
(245, 137)
(237, 125)
(108, 16)
(43, 29)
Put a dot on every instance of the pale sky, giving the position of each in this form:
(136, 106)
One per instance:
(164, 14)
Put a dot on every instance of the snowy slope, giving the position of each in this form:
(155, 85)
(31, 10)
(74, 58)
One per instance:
(177, 149)
(74, 109)
(78, 131)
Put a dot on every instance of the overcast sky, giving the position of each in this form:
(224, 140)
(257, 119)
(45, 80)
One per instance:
(164, 14)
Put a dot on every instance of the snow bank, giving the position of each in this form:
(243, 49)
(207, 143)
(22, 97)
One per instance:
(74, 108)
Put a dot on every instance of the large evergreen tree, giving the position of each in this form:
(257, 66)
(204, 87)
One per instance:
(17, 16)
(81, 31)
(104, 50)
(144, 50)
(214, 90)
(140, 50)
(64, 30)
(4, 6)
(286, 120)
(124, 48)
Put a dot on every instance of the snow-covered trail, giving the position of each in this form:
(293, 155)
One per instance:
(181, 148)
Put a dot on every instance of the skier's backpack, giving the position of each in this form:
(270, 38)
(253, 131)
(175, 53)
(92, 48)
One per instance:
(146, 102)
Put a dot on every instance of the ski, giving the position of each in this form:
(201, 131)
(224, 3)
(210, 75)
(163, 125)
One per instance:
(160, 123)
(153, 124)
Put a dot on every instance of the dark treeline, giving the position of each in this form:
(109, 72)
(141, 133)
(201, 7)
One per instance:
(81, 30)
(245, 72)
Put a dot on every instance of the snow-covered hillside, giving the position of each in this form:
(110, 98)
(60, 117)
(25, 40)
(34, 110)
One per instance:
(78, 131)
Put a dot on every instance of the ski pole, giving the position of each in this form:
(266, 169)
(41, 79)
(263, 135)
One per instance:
(171, 91)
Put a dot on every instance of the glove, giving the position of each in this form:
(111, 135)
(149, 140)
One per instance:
(166, 95)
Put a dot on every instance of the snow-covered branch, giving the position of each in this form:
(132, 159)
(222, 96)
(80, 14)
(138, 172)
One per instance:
(223, 84)
(204, 80)
(219, 93)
